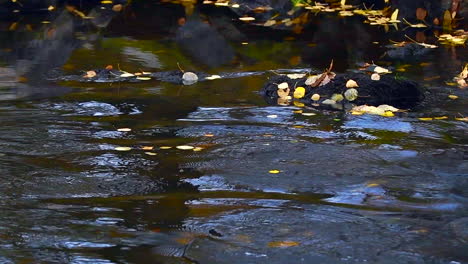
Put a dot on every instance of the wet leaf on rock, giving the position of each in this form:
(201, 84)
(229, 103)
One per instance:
(351, 84)
(90, 74)
(299, 92)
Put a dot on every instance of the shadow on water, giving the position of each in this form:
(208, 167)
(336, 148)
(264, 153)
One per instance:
(258, 183)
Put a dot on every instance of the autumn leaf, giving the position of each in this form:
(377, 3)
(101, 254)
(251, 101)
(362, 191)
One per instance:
(283, 244)
(299, 92)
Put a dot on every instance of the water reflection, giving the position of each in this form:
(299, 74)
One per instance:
(349, 188)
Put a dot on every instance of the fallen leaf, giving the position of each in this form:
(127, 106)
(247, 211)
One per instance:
(337, 97)
(109, 67)
(425, 118)
(185, 147)
(283, 85)
(351, 94)
(296, 75)
(143, 78)
(315, 97)
(165, 147)
(123, 148)
(441, 117)
(246, 18)
(213, 77)
(453, 97)
(272, 116)
(274, 171)
(283, 93)
(351, 84)
(147, 147)
(308, 114)
(283, 244)
(151, 153)
(375, 77)
(90, 74)
(299, 92)
(126, 74)
(124, 129)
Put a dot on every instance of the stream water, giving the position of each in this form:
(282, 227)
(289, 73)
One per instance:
(350, 189)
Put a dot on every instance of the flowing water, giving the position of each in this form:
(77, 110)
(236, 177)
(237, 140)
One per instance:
(350, 189)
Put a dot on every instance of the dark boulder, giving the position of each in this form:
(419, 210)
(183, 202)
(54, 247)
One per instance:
(388, 90)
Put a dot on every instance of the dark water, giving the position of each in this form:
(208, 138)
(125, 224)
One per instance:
(351, 189)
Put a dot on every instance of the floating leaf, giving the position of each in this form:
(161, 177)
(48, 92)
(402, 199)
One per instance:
(425, 118)
(246, 18)
(123, 148)
(185, 147)
(315, 97)
(441, 117)
(198, 149)
(272, 116)
(126, 74)
(309, 114)
(165, 147)
(151, 153)
(213, 77)
(453, 97)
(299, 92)
(274, 171)
(269, 23)
(462, 119)
(283, 244)
(147, 147)
(124, 129)
(143, 78)
(394, 17)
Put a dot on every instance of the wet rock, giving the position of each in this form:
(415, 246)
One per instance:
(388, 90)
(408, 52)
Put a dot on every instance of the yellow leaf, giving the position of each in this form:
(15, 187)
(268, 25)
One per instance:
(425, 118)
(309, 114)
(283, 244)
(298, 104)
(147, 148)
(165, 147)
(461, 119)
(394, 16)
(388, 114)
(185, 147)
(151, 153)
(246, 18)
(198, 149)
(315, 97)
(274, 171)
(440, 117)
(124, 129)
(123, 148)
(143, 78)
(453, 97)
(299, 92)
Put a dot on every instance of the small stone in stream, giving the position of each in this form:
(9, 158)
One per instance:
(189, 78)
